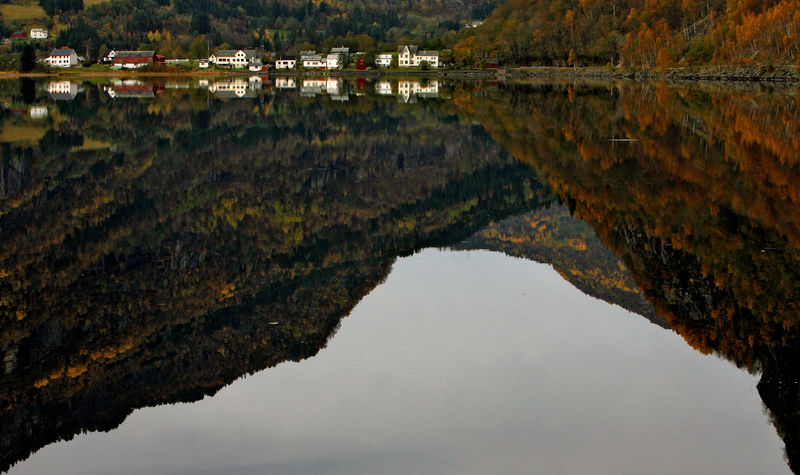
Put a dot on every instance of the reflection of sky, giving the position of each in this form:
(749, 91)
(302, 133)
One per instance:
(461, 363)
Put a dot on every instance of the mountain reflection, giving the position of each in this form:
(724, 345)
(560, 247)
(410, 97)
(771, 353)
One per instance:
(146, 265)
(697, 190)
(143, 265)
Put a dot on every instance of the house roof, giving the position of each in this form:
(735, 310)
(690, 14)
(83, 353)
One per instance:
(411, 49)
(62, 52)
(232, 52)
(134, 54)
(288, 58)
(428, 53)
(312, 57)
(340, 49)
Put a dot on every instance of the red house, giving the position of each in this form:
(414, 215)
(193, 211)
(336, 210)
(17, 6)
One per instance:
(19, 35)
(136, 59)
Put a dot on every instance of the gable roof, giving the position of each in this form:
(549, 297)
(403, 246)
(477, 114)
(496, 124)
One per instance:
(62, 52)
(134, 54)
(226, 53)
(341, 49)
(428, 53)
(411, 49)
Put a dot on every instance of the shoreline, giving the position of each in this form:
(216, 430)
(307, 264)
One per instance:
(731, 73)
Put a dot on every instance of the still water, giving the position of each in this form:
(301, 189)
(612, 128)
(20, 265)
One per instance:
(461, 362)
(323, 276)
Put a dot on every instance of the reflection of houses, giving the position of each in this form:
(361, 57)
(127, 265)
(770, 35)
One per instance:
(408, 56)
(383, 88)
(335, 88)
(285, 63)
(233, 58)
(332, 85)
(383, 60)
(235, 88)
(311, 87)
(38, 112)
(39, 33)
(132, 89)
(409, 91)
(62, 58)
(285, 83)
(62, 90)
(135, 59)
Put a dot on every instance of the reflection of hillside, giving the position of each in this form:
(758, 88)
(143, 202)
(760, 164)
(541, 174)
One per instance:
(234, 238)
(701, 206)
(552, 236)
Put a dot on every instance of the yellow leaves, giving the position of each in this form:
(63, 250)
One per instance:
(227, 291)
(75, 371)
(110, 352)
(569, 18)
(407, 223)
(577, 244)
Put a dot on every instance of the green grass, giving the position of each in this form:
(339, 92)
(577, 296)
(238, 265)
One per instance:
(89, 3)
(21, 12)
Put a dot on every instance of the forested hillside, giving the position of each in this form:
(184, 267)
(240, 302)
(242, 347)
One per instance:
(177, 28)
(640, 33)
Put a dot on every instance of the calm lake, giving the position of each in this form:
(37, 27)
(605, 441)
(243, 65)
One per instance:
(316, 275)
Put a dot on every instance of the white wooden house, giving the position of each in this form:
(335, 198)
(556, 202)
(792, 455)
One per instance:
(409, 56)
(233, 58)
(39, 34)
(313, 61)
(334, 61)
(285, 63)
(62, 58)
(383, 60)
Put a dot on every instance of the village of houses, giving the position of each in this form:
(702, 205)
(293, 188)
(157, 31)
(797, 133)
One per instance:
(406, 56)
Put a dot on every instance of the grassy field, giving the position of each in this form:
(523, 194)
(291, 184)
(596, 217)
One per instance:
(21, 133)
(29, 11)
(89, 3)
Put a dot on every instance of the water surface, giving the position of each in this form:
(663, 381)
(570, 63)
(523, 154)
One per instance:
(251, 268)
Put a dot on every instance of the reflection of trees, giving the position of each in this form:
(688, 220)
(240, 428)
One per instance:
(700, 205)
(233, 238)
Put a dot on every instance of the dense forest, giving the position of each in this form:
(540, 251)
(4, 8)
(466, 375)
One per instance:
(187, 28)
(233, 238)
(696, 189)
(628, 33)
(640, 33)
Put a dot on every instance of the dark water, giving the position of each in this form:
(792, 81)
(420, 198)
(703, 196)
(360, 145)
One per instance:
(546, 278)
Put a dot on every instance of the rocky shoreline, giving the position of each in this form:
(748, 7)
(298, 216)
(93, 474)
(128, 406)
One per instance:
(754, 74)
(771, 74)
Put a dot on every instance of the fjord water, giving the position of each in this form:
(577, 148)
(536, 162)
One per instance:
(261, 266)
